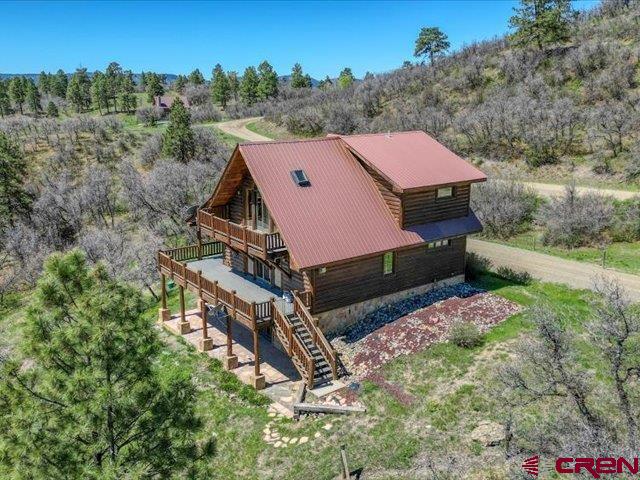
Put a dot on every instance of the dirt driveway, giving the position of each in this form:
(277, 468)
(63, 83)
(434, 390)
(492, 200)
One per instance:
(549, 268)
(238, 128)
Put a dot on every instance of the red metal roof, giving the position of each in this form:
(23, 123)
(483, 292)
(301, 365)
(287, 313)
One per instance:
(342, 215)
(412, 159)
(339, 216)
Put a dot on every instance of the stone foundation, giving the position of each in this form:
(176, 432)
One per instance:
(184, 328)
(258, 382)
(205, 344)
(163, 315)
(337, 320)
(231, 362)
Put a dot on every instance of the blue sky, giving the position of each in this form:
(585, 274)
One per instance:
(176, 37)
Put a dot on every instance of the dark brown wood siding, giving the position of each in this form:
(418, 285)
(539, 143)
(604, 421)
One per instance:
(237, 201)
(423, 207)
(360, 280)
(384, 187)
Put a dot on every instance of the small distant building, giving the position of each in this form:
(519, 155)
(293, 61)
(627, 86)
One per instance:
(165, 102)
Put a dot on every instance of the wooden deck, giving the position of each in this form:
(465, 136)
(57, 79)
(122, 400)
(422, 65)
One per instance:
(240, 237)
(252, 305)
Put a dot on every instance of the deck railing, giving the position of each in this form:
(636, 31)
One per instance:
(318, 338)
(239, 236)
(302, 358)
(251, 314)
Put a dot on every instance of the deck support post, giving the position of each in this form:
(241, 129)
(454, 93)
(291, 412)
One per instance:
(163, 311)
(206, 343)
(231, 360)
(184, 327)
(258, 379)
(199, 237)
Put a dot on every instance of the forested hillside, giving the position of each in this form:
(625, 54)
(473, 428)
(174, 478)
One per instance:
(573, 103)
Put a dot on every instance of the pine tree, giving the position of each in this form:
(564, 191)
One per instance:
(180, 83)
(325, 84)
(44, 82)
(79, 90)
(52, 110)
(196, 77)
(298, 79)
(126, 97)
(234, 84)
(113, 79)
(154, 86)
(431, 41)
(14, 198)
(100, 91)
(5, 102)
(60, 84)
(268, 84)
(18, 91)
(178, 140)
(33, 98)
(541, 22)
(94, 401)
(249, 86)
(346, 78)
(220, 88)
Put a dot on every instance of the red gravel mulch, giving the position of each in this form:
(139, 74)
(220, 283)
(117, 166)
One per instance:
(416, 331)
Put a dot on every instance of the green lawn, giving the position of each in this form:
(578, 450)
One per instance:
(623, 256)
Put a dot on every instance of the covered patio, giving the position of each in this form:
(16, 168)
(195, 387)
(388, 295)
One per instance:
(234, 311)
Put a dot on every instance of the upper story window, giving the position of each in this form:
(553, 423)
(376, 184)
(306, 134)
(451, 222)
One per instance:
(439, 243)
(388, 263)
(444, 192)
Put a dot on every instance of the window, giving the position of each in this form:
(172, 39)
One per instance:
(439, 243)
(300, 178)
(444, 192)
(387, 263)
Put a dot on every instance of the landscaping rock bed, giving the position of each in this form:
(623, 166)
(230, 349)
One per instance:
(412, 325)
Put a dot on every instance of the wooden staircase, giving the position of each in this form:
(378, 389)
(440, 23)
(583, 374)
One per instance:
(311, 353)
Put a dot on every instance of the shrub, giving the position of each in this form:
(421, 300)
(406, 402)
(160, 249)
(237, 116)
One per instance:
(626, 221)
(465, 335)
(476, 265)
(520, 277)
(205, 113)
(149, 116)
(575, 220)
(505, 207)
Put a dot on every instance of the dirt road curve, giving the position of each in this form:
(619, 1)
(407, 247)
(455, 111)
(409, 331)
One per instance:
(238, 128)
(553, 190)
(551, 269)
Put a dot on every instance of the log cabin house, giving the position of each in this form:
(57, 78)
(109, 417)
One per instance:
(344, 223)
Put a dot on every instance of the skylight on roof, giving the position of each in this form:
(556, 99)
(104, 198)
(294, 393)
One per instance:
(300, 178)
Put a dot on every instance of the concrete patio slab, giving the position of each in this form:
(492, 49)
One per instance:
(280, 375)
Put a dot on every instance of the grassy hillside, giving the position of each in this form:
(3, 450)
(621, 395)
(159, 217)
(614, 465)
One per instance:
(570, 110)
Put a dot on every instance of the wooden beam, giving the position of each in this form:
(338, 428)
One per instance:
(229, 337)
(326, 408)
(163, 279)
(182, 308)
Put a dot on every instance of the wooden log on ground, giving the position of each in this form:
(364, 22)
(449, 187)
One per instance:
(326, 408)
